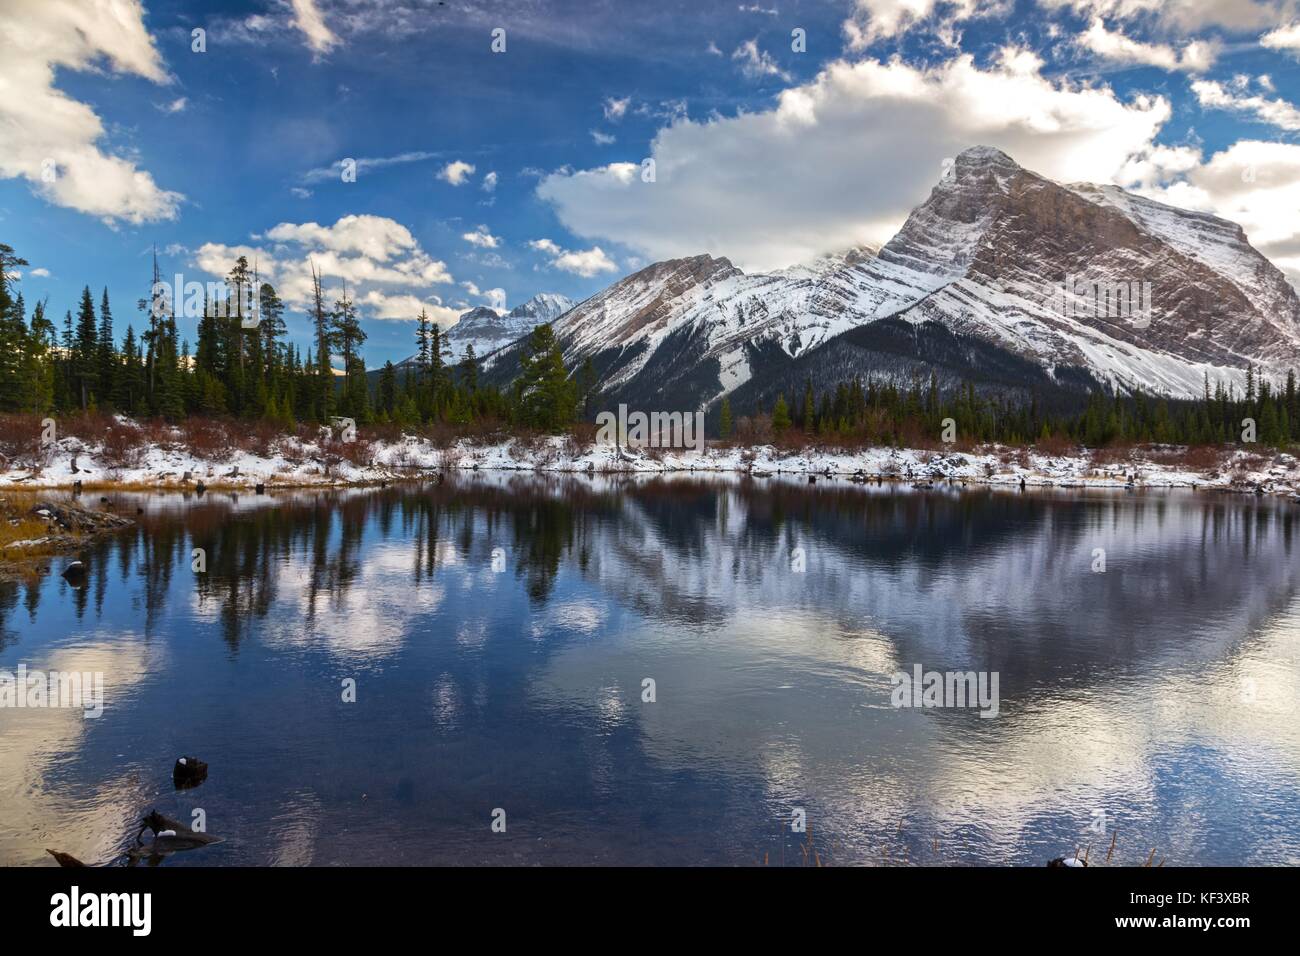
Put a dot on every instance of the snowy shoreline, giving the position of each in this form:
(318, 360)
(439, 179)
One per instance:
(297, 463)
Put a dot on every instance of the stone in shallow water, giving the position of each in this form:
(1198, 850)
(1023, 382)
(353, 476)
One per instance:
(189, 772)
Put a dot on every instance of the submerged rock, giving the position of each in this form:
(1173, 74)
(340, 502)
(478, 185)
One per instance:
(75, 574)
(189, 772)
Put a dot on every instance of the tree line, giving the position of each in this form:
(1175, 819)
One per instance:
(882, 413)
(242, 364)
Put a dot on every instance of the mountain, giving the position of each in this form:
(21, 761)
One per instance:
(487, 330)
(972, 287)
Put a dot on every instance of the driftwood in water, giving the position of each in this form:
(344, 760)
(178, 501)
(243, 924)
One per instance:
(65, 859)
(169, 836)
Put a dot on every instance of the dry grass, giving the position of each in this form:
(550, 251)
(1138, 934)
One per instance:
(17, 524)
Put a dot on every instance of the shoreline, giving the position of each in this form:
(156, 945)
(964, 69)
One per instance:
(300, 464)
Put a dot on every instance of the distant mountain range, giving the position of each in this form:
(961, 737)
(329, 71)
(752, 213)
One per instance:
(488, 330)
(1001, 277)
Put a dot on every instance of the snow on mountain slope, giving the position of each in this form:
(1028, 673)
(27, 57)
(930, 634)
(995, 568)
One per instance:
(487, 330)
(987, 254)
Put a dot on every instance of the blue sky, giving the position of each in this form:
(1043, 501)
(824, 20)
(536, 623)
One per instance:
(762, 153)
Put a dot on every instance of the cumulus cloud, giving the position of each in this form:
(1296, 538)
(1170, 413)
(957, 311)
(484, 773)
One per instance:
(307, 18)
(495, 298)
(406, 307)
(382, 264)
(842, 159)
(52, 140)
(873, 20)
(1196, 56)
(490, 182)
(1277, 112)
(482, 238)
(601, 139)
(581, 262)
(457, 172)
(39, 273)
(1283, 38)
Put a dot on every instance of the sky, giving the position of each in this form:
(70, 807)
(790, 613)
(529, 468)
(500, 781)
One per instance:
(446, 155)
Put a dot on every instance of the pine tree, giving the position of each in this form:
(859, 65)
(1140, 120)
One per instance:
(85, 352)
(324, 373)
(545, 397)
(106, 357)
(780, 415)
(13, 333)
(346, 336)
(724, 418)
(388, 389)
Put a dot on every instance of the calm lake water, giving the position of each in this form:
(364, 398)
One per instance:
(1154, 703)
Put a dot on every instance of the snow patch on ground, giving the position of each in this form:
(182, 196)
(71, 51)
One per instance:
(297, 463)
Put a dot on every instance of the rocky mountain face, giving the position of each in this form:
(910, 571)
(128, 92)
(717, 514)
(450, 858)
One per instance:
(1001, 276)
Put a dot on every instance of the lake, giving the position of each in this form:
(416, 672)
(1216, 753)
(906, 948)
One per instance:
(671, 670)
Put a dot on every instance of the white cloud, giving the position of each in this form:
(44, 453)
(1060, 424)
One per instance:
(615, 108)
(546, 246)
(756, 64)
(482, 238)
(375, 237)
(582, 262)
(1277, 112)
(495, 298)
(52, 140)
(842, 159)
(1185, 16)
(39, 273)
(457, 172)
(490, 182)
(880, 19)
(175, 106)
(307, 18)
(383, 265)
(406, 307)
(1283, 38)
(1195, 57)
(601, 139)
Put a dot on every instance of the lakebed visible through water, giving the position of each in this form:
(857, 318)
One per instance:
(497, 633)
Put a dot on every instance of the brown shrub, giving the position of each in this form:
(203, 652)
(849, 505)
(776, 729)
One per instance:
(20, 438)
(124, 445)
(208, 438)
(1055, 446)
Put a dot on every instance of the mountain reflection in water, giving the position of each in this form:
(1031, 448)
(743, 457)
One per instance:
(1159, 697)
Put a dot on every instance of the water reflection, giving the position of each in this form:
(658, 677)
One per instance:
(1161, 694)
